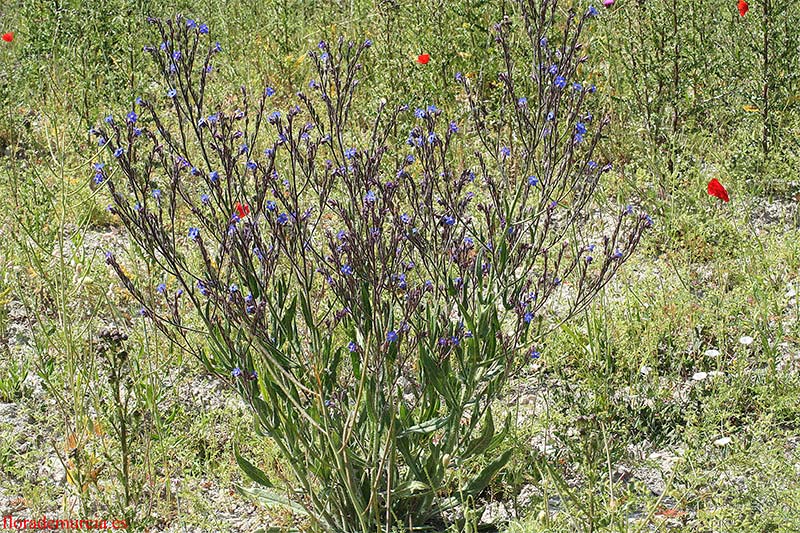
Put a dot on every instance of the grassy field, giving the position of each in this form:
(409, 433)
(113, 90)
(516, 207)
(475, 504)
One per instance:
(672, 403)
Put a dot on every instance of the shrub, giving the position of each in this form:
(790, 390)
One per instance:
(369, 297)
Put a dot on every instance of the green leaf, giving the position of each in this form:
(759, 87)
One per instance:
(266, 496)
(409, 488)
(429, 426)
(480, 444)
(252, 471)
(480, 481)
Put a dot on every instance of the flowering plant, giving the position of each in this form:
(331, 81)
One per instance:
(369, 296)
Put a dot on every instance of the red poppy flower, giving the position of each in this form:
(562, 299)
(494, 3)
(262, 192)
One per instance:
(8, 37)
(242, 210)
(743, 7)
(423, 59)
(715, 188)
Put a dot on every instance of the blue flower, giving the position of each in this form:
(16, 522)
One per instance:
(98, 178)
(157, 194)
(205, 199)
(347, 270)
(109, 120)
(191, 23)
(405, 219)
(217, 47)
(203, 29)
(176, 55)
(118, 152)
(617, 254)
(270, 205)
(137, 132)
(580, 127)
(577, 87)
(447, 220)
(251, 165)
(236, 372)
(172, 93)
(553, 70)
(370, 197)
(543, 42)
(419, 113)
(453, 127)
(132, 117)
(522, 102)
(592, 12)
(283, 219)
(560, 82)
(392, 336)
(505, 151)
(588, 259)
(528, 317)
(269, 91)
(274, 117)
(213, 176)
(202, 288)
(194, 233)
(533, 181)
(433, 110)
(352, 347)
(161, 288)
(432, 138)
(578, 138)
(534, 354)
(233, 288)
(350, 153)
(592, 89)
(367, 43)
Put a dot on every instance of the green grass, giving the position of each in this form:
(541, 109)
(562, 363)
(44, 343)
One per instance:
(613, 387)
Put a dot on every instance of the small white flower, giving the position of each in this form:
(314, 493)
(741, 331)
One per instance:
(715, 374)
(724, 441)
(699, 376)
(645, 370)
(712, 353)
(746, 341)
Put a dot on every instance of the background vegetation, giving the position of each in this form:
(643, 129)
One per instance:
(672, 403)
